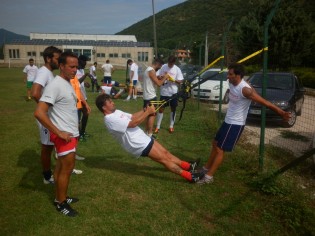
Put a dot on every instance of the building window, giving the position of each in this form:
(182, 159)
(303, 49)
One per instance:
(126, 55)
(87, 53)
(77, 51)
(14, 53)
(113, 55)
(31, 54)
(143, 56)
(100, 55)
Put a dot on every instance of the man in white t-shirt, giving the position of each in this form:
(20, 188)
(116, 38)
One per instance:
(29, 71)
(167, 90)
(108, 71)
(240, 96)
(94, 83)
(124, 128)
(43, 77)
(132, 79)
(150, 82)
(57, 110)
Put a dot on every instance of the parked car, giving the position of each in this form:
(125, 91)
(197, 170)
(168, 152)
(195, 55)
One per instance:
(210, 90)
(284, 90)
(189, 70)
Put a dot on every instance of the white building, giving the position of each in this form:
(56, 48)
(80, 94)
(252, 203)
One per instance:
(99, 48)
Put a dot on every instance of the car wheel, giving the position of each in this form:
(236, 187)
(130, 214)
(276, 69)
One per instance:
(292, 120)
(226, 97)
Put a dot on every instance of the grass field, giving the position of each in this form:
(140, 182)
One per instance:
(120, 195)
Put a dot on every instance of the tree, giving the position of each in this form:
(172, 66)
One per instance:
(290, 32)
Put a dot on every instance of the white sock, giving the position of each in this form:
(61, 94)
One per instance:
(128, 98)
(172, 121)
(208, 176)
(159, 118)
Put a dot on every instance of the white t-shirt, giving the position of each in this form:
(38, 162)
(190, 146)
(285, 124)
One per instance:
(31, 72)
(133, 140)
(80, 73)
(93, 71)
(107, 69)
(169, 88)
(43, 76)
(149, 87)
(63, 113)
(238, 104)
(134, 68)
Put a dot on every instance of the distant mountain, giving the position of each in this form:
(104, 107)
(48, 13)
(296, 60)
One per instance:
(6, 36)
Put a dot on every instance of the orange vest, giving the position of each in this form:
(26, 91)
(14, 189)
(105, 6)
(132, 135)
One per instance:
(76, 86)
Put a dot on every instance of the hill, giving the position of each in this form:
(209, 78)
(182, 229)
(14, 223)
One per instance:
(7, 36)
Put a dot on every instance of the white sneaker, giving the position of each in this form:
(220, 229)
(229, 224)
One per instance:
(79, 158)
(77, 172)
(205, 180)
(50, 181)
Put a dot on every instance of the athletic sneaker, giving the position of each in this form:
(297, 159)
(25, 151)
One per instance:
(79, 158)
(196, 177)
(66, 209)
(69, 200)
(49, 181)
(77, 172)
(156, 130)
(171, 130)
(193, 165)
(82, 138)
(205, 180)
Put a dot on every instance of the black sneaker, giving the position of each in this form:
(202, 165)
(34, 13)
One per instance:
(193, 165)
(69, 200)
(66, 209)
(196, 177)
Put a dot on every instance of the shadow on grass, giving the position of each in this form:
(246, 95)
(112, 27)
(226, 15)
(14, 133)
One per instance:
(32, 179)
(139, 168)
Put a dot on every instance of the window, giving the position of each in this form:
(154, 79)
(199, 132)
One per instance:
(87, 53)
(126, 55)
(31, 54)
(143, 56)
(14, 53)
(113, 55)
(100, 54)
(77, 51)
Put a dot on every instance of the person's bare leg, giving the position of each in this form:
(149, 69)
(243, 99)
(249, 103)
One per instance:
(65, 167)
(215, 159)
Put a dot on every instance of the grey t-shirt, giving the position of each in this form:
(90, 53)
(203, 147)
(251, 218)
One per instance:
(63, 111)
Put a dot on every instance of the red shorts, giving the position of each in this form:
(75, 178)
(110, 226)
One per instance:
(62, 147)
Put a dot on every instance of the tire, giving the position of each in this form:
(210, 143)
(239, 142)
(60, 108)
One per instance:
(292, 120)
(226, 97)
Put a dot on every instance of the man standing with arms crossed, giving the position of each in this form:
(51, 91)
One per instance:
(57, 111)
(43, 77)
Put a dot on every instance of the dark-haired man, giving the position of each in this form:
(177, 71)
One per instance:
(240, 96)
(43, 77)
(124, 127)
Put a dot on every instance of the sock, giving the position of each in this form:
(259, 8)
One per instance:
(172, 121)
(185, 165)
(135, 97)
(128, 97)
(208, 176)
(187, 175)
(159, 118)
(47, 174)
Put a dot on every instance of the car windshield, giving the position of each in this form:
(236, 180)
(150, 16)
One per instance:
(274, 81)
(214, 75)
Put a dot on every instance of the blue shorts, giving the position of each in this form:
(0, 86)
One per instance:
(147, 150)
(228, 135)
(172, 103)
(107, 80)
(147, 102)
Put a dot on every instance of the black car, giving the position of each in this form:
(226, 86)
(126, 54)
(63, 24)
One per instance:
(284, 90)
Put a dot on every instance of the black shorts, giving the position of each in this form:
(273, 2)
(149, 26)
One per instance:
(171, 103)
(147, 150)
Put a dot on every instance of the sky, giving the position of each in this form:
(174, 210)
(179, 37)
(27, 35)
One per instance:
(76, 16)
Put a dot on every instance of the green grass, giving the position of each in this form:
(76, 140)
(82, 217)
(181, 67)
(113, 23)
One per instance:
(120, 195)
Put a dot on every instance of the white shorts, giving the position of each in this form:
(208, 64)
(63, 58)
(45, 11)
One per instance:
(44, 134)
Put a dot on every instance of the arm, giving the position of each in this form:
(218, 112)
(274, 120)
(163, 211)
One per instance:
(25, 77)
(251, 94)
(42, 116)
(155, 79)
(84, 76)
(37, 91)
(138, 117)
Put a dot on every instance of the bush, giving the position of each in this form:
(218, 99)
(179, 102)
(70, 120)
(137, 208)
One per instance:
(307, 76)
